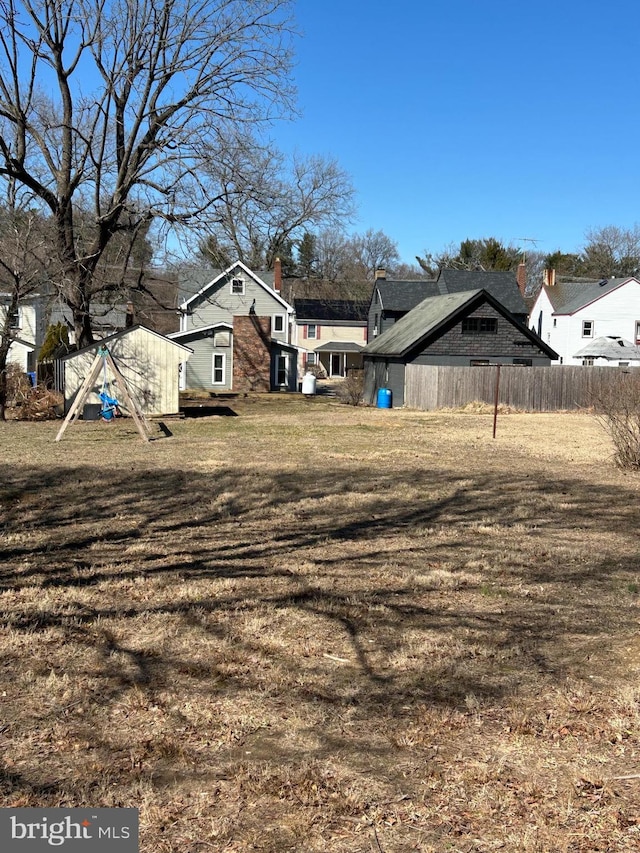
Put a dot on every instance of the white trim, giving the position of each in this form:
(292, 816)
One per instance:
(591, 333)
(242, 283)
(199, 329)
(223, 356)
(283, 330)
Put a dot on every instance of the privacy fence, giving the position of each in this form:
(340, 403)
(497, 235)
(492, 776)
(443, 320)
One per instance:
(534, 389)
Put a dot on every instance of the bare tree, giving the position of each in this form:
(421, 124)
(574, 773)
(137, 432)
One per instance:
(267, 201)
(24, 249)
(611, 251)
(105, 106)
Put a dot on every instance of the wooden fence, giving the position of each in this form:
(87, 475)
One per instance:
(533, 389)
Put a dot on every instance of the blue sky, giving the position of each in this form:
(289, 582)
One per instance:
(464, 119)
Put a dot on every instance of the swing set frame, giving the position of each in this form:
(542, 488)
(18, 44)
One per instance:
(100, 363)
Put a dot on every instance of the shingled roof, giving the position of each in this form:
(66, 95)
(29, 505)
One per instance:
(403, 296)
(503, 286)
(331, 310)
(567, 297)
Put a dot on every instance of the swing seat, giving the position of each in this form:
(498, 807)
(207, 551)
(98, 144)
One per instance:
(110, 407)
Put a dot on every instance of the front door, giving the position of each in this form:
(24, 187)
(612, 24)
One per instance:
(336, 364)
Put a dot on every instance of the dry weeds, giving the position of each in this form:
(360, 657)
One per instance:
(319, 628)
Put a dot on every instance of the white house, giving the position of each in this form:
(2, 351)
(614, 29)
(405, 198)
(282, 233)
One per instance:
(568, 315)
(26, 331)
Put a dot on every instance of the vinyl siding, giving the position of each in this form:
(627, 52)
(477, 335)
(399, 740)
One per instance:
(219, 305)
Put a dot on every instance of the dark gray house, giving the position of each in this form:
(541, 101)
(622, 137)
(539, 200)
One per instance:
(391, 300)
(463, 329)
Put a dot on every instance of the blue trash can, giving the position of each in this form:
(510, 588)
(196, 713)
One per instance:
(33, 379)
(384, 398)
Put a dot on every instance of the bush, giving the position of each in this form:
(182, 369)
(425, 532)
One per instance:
(350, 391)
(617, 406)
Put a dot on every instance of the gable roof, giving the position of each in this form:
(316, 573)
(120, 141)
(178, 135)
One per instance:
(432, 314)
(328, 310)
(122, 334)
(567, 297)
(197, 282)
(503, 286)
(404, 295)
(610, 347)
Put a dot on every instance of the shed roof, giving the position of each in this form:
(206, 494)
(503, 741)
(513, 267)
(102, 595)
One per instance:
(327, 310)
(122, 334)
(567, 297)
(432, 313)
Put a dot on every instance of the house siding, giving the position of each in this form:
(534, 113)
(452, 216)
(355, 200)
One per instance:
(200, 365)
(507, 343)
(219, 305)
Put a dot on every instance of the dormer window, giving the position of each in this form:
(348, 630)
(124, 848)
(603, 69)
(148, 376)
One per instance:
(237, 286)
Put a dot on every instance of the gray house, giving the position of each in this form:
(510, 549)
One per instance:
(391, 300)
(467, 328)
(239, 328)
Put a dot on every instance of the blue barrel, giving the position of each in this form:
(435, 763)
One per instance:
(384, 398)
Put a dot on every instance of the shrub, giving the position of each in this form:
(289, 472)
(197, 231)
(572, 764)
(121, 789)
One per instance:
(350, 391)
(617, 407)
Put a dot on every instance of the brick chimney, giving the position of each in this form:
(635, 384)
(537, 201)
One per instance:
(549, 278)
(251, 353)
(277, 275)
(521, 278)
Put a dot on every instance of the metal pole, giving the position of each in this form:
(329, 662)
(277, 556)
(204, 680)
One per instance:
(495, 402)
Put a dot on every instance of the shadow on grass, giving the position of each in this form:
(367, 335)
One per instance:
(358, 559)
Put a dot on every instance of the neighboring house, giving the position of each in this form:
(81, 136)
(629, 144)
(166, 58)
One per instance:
(239, 328)
(27, 330)
(149, 362)
(467, 328)
(331, 334)
(391, 300)
(611, 351)
(569, 315)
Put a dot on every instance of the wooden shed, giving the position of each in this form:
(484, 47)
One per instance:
(149, 362)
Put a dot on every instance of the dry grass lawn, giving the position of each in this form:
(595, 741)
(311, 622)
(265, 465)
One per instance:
(318, 628)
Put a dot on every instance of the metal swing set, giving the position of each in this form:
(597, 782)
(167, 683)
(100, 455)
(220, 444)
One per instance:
(110, 405)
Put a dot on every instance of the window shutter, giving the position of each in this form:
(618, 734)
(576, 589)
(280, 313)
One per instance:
(304, 331)
(317, 333)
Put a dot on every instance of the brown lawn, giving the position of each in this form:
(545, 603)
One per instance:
(317, 628)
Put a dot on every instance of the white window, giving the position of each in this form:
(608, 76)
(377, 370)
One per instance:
(15, 319)
(587, 328)
(638, 331)
(588, 362)
(237, 286)
(311, 359)
(278, 323)
(218, 372)
(312, 330)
